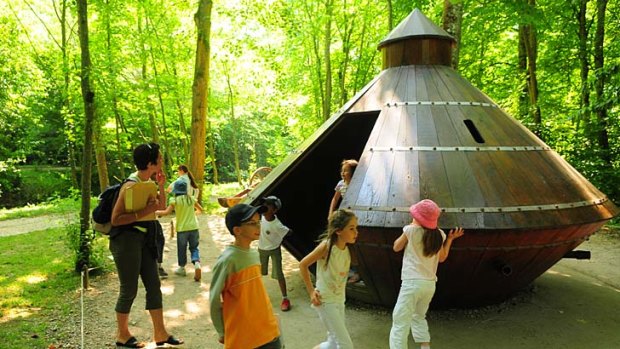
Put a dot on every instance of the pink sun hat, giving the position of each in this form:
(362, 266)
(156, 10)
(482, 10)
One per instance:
(426, 212)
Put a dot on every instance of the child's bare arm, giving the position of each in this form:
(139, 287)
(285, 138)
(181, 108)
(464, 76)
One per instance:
(165, 212)
(445, 249)
(400, 242)
(334, 203)
(319, 252)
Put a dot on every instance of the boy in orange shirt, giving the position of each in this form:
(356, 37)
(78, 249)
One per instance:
(240, 308)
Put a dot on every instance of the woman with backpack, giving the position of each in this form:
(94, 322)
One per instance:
(134, 247)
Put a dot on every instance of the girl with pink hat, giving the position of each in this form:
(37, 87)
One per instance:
(425, 247)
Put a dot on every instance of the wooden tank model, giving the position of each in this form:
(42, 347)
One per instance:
(419, 130)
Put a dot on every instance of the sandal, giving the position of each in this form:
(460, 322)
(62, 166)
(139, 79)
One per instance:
(171, 340)
(132, 342)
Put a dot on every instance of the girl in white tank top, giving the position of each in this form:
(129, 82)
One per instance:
(333, 261)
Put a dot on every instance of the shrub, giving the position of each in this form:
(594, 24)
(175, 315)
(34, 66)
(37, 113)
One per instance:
(10, 183)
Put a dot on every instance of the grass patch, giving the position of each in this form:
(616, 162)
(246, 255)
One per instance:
(55, 206)
(212, 192)
(37, 282)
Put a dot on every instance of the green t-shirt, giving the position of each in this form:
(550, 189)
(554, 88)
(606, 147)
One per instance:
(184, 209)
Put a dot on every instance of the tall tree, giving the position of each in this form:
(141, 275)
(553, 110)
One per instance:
(66, 71)
(599, 84)
(202, 18)
(236, 129)
(327, 92)
(584, 64)
(452, 19)
(527, 32)
(88, 97)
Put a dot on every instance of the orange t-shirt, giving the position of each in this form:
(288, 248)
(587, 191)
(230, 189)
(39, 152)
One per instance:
(240, 308)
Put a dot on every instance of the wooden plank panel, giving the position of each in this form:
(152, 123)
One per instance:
(378, 183)
(536, 185)
(511, 169)
(405, 185)
(491, 185)
(451, 92)
(500, 127)
(568, 174)
(373, 191)
(433, 180)
(373, 98)
(377, 269)
(386, 91)
(464, 188)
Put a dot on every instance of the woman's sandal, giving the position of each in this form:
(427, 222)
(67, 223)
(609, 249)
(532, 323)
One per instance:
(171, 340)
(132, 342)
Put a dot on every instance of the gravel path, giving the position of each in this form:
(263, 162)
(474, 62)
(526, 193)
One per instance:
(26, 225)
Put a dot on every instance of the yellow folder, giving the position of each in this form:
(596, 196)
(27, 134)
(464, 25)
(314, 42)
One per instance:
(137, 196)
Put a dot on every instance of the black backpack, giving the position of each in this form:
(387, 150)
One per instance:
(102, 214)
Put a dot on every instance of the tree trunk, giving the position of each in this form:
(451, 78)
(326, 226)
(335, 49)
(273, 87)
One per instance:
(211, 140)
(452, 19)
(390, 11)
(162, 109)
(235, 145)
(117, 130)
(327, 101)
(153, 123)
(102, 164)
(182, 127)
(88, 96)
(599, 84)
(202, 18)
(66, 103)
(347, 31)
(531, 49)
(584, 99)
(522, 68)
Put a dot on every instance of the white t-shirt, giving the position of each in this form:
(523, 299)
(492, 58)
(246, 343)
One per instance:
(271, 234)
(342, 187)
(415, 264)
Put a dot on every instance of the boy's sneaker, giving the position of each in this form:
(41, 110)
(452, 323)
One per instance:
(162, 273)
(286, 305)
(197, 271)
(180, 271)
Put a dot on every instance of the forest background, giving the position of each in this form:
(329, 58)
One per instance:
(272, 72)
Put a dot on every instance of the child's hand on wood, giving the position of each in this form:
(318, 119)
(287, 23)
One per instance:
(456, 233)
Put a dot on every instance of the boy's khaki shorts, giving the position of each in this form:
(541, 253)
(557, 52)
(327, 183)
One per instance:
(276, 262)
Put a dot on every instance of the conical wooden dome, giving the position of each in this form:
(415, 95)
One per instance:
(421, 131)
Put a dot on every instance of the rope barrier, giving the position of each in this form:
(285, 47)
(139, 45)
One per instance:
(82, 309)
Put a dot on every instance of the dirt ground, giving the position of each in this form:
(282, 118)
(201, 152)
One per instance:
(576, 304)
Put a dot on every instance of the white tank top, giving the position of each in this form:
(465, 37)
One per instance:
(331, 282)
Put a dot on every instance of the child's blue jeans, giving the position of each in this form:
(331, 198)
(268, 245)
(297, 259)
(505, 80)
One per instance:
(184, 238)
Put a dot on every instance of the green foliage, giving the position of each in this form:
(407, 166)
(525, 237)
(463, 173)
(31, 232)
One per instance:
(211, 192)
(10, 182)
(36, 184)
(96, 251)
(35, 280)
